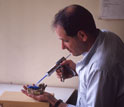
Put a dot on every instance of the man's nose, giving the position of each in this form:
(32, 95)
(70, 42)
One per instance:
(63, 45)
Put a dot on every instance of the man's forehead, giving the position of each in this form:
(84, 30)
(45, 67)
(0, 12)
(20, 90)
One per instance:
(60, 30)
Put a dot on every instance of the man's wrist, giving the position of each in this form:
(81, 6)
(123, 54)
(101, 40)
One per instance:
(58, 103)
(52, 100)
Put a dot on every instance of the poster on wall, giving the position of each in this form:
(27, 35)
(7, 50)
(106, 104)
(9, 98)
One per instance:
(112, 9)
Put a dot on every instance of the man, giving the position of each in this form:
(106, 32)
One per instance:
(101, 71)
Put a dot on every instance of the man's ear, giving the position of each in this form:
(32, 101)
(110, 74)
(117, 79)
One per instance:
(82, 36)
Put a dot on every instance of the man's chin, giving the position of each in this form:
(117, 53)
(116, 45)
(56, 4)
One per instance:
(75, 54)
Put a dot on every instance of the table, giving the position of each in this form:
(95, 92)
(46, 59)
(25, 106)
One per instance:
(59, 93)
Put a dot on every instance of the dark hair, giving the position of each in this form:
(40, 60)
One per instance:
(77, 19)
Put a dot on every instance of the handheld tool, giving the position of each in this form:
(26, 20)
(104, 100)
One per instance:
(50, 72)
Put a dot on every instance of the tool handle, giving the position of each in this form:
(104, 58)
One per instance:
(66, 72)
(60, 61)
(53, 69)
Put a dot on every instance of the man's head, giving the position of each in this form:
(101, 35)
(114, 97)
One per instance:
(73, 25)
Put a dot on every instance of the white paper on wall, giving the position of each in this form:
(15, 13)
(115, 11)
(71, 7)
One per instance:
(112, 9)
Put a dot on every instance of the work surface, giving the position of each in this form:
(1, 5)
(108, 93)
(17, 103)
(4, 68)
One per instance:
(59, 93)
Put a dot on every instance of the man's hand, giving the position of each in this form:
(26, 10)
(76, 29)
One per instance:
(65, 71)
(45, 97)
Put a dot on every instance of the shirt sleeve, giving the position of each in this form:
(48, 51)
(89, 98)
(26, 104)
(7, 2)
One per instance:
(89, 78)
(92, 87)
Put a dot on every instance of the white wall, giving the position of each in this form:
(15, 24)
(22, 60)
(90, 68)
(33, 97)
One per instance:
(28, 45)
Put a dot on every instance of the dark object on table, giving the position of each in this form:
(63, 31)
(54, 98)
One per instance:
(73, 98)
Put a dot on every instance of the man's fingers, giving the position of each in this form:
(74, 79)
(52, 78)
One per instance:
(25, 87)
(30, 95)
(24, 91)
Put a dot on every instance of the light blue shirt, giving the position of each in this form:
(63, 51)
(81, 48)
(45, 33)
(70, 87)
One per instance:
(95, 61)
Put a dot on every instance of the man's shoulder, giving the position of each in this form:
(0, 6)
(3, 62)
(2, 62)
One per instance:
(109, 34)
